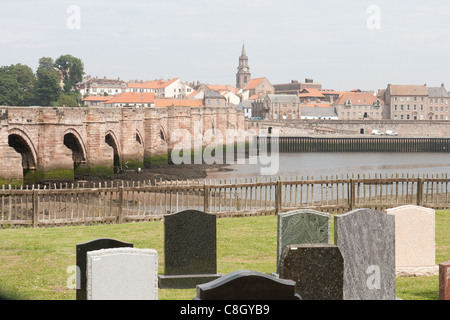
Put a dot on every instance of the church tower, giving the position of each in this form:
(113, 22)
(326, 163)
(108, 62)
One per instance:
(243, 75)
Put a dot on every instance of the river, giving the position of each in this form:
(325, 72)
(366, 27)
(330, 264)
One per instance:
(340, 164)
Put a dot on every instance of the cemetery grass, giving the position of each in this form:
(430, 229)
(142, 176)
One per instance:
(35, 264)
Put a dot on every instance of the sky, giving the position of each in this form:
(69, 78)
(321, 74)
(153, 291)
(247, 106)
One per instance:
(342, 44)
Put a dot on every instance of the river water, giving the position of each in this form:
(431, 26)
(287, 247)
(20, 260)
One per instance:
(340, 164)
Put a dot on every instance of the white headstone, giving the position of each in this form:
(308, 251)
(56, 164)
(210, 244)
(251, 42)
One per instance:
(414, 241)
(122, 274)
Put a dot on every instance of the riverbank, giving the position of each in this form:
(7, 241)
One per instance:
(166, 172)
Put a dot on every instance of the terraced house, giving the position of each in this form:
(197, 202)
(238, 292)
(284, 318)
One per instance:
(407, 102)
(438, 103)
(359, 105)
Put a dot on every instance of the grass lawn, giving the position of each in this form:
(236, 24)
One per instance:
(35, 264)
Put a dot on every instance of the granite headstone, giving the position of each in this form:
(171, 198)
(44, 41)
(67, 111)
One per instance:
(247, 285)
(414, 241)
(366, 239)
(81, 260)
(190, 249)
(301, 227)
(122, 274)
(444, 280)
(317, 269)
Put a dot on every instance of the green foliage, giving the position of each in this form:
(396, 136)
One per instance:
(72, 70)
(48, 87)
(52, 85)
(17, 83)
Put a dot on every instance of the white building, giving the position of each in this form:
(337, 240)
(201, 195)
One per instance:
(172, 88)
(100, 87)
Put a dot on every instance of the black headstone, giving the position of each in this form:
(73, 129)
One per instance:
(247, 285)
(81, 255)
(190, 249)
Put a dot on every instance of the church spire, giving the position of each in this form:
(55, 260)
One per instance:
(243, 75)
(243, 54)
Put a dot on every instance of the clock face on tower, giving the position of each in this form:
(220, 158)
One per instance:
(245, 69)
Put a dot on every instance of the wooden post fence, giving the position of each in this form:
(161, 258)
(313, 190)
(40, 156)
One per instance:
(149, 201)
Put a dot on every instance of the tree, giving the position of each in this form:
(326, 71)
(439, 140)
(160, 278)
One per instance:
(48, 88)
(72, 70)
(9, 89)
(68, 99)
(17, 84)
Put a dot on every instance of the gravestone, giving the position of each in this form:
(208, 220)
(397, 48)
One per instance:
(444, 280)
(301, 226)
(81, 260)
(414, 241)
(317, 269)
(190, 249)
(366, 239)
(122, 274)
(247, 285)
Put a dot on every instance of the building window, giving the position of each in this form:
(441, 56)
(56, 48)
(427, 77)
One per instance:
(395, 107)
(421, 107)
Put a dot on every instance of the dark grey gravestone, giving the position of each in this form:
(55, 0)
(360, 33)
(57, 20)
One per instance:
(300, 227)
(366, 239)
(81, 260)
(317, 269)
(190, 253)
(247, 285)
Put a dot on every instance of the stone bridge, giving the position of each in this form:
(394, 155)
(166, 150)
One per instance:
(46, 143)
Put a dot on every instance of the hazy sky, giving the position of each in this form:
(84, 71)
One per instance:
(342, 44)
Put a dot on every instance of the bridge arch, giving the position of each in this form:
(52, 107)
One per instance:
(21, 142)
(162, 134)
(74, 141)
(113, 142)
(139, 137)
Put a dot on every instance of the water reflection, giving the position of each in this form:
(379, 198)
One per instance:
(346, 163)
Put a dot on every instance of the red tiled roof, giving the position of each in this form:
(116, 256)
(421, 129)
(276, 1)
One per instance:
(165, 102)
(253, 83)
(97, 98)
(319, 105)
(358, 98)
(133, 97)
(218, 87)
(155, 84)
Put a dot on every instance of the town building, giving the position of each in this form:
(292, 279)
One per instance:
(438, 103)
(295, 87)
(257, 86)
(95, 101)
(172, 88)
(407, 102)
(277, 107)
(91, 86)
(318, 111)
(214, 99)
(132, 99)
(359, 105)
